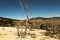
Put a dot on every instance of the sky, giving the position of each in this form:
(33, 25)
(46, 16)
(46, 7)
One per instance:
(37, 8)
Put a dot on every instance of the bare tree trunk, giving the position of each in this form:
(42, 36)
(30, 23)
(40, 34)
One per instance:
(26, 14)
(25, 8)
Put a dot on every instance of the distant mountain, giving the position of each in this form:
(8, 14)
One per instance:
(12, 22)
(42, 18)
(7, 18)
(7, 21)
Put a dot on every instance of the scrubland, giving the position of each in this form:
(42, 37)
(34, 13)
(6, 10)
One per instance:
(10, 33)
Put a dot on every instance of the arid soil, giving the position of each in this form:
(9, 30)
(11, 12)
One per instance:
(10, 33)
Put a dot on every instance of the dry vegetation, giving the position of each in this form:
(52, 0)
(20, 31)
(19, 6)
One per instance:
(10, 33)
(52, 27)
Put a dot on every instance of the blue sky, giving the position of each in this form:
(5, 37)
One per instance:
(37, 8)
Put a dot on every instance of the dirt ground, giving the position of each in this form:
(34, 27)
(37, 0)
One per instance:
(10, 33)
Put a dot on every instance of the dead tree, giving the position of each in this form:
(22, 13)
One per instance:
(24, 6)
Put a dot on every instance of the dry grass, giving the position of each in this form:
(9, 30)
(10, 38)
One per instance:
(10, 33)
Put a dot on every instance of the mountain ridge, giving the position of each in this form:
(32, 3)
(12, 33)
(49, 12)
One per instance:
(36, 18)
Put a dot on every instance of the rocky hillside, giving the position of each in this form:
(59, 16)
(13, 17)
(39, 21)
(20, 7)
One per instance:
(7, 21)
